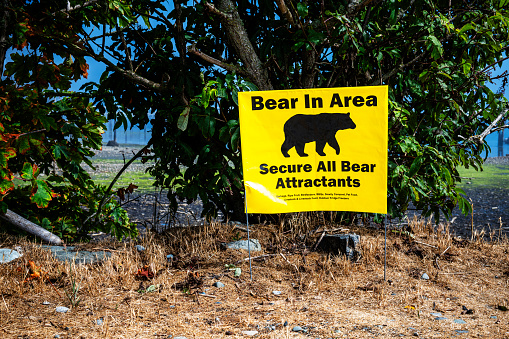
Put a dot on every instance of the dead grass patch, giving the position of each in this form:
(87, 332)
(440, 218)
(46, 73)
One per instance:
(326, 294)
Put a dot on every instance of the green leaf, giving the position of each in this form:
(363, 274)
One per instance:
(5, 155)
(184, 119)
(43, 195)
(29, 171)
(3, 207)
(302, 9)
(466, 27)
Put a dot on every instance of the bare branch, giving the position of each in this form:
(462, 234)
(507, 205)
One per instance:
(286, 13)
(480, 138)
(127, 52)
(397, 69)
(232, 68)
(238, 37)
(70, 9)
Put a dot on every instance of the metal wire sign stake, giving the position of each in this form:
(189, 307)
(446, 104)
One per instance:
(318, 149)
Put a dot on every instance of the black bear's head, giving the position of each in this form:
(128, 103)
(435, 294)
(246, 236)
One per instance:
(343, 121)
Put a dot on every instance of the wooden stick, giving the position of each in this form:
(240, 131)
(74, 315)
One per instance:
(423, 243)
(255, 258)
(319, 241)
(295, 266)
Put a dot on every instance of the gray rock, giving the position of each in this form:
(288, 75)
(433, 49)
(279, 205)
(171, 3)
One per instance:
(7, 255)
(297, 329)
(461, 331)
(170, 257)
(440, 318)
(99, 321)
(218, 284)
(62, 309)
(180, 338)
(493, 317)
(140, 248)
(67, 254)
(243, 244)
(347, 244)
(436, 314)
(56, 336)
(459, 321)
(425, 276)
(46, 303)
(276, 292)
(250, 333)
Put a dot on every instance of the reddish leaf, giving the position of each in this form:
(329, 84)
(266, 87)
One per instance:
(121, 193)
(5, 155)
(145, 273)
(130, 189)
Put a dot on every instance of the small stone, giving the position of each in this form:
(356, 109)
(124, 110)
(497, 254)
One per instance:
(493, 317)
(425, 276)
(250, 333)
(436, 314)
(140, 248)
(218, 284)
(285, 324)
(440, 318)
(254, 245)
(99, 321)
(169, 257)
(297, 329)
(62, 309)
(56, 336)
(218, 303)
(461, 331)
(180, 338)
(6, 255)
(46, 303)
(276, 292)
(459, 321)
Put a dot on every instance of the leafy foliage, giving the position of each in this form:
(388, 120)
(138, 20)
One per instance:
(185, 63)
(45, 138)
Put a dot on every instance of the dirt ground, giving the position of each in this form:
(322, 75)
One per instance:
(326, 295)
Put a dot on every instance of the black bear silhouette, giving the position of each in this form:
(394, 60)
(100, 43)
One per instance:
(303, 128)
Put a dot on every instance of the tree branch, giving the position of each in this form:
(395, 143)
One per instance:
(480, 138)
(232, 68)
(238, 37)
(108, 190)
(30, 227)
(285, 11)
(397, 69)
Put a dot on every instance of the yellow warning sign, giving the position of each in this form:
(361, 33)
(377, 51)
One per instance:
(315, 149)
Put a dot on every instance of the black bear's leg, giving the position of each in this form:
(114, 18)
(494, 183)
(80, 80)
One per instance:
(334, 144)
(320, 144)
(300, 149)
(285, 148)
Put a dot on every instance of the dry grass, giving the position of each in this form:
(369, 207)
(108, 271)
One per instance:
(327, 294)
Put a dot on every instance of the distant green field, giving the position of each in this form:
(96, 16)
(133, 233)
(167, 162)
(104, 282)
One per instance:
(492, 176)
(139, 178)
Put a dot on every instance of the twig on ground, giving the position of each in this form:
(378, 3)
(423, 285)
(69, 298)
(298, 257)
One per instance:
(256, 258)
(441, 254)
(295, 266)
(319, 241)
(423, 243)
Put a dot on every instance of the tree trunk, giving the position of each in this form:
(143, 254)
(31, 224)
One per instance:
(30, 227)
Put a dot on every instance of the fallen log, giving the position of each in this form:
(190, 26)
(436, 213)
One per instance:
(30, 227)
